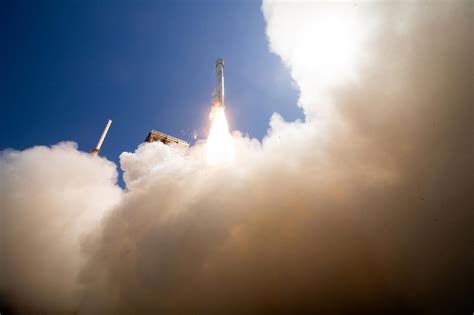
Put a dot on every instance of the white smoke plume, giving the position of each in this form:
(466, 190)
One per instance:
(364, 207)
(50, 199)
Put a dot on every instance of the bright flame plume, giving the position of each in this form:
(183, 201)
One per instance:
(220, 145)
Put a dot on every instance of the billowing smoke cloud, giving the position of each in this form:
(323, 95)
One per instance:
(365, 206)
(50, 199)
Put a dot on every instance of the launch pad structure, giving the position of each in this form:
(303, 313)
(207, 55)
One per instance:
(154, 136)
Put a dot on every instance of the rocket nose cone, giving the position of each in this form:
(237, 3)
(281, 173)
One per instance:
(220, 61)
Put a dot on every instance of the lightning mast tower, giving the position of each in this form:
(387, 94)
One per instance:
(96, 150)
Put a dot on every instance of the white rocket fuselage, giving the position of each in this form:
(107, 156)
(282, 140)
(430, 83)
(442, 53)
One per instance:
(218, 100)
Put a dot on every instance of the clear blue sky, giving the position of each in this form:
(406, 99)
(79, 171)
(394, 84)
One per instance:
(67, 66)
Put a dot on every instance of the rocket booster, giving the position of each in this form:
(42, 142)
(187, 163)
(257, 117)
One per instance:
(218, 99)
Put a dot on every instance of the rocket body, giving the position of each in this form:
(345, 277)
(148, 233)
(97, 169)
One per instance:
(218, 99)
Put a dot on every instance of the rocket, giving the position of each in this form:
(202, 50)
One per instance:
(218, 97)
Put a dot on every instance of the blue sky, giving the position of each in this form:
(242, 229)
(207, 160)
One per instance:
(67, 66)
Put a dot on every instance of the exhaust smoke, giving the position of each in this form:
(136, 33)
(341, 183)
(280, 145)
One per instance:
(364, 207)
